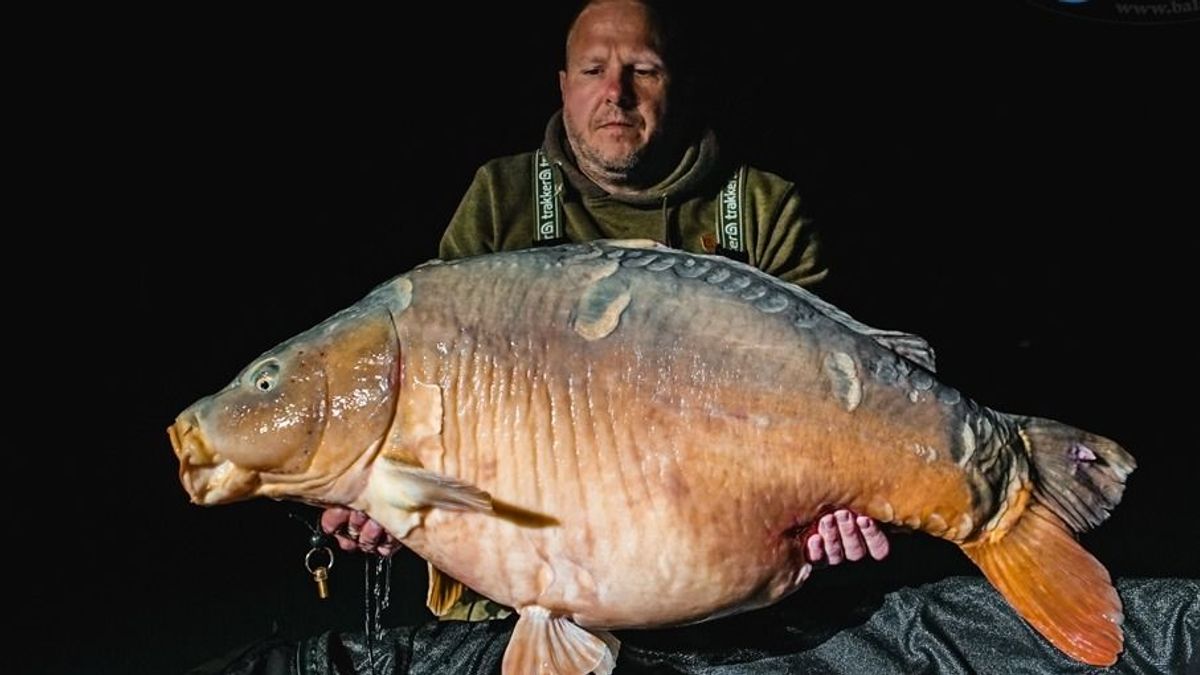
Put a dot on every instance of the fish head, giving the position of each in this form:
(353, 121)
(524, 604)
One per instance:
(303, 420)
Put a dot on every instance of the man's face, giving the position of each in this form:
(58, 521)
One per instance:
(614, 88)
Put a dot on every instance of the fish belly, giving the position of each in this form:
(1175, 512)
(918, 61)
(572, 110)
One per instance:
(654, 443)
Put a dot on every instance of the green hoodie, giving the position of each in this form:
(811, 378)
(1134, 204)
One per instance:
(497, 212)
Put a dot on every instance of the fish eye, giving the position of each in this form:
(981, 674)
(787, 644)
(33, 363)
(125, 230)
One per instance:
(264, 376)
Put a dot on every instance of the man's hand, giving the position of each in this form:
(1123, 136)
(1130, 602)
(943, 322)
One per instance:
(354, 530)
(843, 535)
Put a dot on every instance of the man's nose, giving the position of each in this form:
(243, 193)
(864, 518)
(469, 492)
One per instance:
(618, 87)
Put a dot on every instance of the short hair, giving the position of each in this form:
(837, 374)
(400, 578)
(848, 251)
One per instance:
(680, 28)
(668, 21)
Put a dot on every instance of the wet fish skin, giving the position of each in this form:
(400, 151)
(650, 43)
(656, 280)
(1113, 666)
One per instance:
(617, 435)
(302, 421)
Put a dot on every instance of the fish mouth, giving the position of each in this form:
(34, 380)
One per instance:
(197, 461)
(207, 477)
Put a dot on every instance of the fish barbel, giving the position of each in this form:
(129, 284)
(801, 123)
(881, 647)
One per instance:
(619, 435)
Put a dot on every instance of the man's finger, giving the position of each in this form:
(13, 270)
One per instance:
(371, 533)
(877, 542)
(852, 543)
(333, 518)
(832, 538)
(816, 548)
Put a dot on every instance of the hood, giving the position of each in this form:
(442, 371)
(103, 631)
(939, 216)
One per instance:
(694, 168)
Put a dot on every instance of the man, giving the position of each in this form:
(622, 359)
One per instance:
(623, 161)
(620, 161)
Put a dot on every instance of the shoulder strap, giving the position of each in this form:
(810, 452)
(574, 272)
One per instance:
(546, 209)
(731, 242)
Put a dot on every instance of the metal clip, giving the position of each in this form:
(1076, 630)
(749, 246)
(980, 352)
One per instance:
(320, 573)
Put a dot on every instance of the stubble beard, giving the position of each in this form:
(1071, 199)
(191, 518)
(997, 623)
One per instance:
(616, 170)
(620, 170)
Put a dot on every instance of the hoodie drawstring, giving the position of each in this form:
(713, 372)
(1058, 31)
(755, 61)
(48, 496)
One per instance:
(670, 237)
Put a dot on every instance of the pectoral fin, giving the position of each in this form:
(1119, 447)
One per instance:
(411, 488)
(400, 495)
(472, 606)
(444, 591)
(523, 517)
(450, 599)
(546, 643)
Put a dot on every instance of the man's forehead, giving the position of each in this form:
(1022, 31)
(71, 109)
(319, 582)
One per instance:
(625, 24)
(600, 53)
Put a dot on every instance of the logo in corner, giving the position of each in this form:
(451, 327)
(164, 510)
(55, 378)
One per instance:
(1125, 11)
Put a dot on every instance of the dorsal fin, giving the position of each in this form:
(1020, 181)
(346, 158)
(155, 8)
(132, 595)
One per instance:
(912, 347)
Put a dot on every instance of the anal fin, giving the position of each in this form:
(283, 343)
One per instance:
(544, 643)
(1055, 585)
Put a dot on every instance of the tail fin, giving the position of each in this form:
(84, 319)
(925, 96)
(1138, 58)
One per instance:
(1055, 585)
(1039, 567)
(1079, 476)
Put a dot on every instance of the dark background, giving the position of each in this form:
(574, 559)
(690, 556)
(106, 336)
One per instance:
(1015, 185)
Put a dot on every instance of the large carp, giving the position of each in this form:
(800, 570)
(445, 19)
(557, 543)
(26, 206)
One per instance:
(619, 435)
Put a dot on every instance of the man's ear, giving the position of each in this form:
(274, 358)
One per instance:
(562, 81)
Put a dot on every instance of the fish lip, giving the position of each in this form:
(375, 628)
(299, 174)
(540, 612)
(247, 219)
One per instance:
(181, 454)
(175, 444)
(198, 464)
(195, 481)
(189, 444)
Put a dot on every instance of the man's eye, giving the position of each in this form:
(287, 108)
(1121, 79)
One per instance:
(591, 71)
(645, 72)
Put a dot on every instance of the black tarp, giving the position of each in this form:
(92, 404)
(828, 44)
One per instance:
(958, 625)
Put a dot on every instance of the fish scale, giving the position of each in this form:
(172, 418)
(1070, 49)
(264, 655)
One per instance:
(636, 366)
(620, 435)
